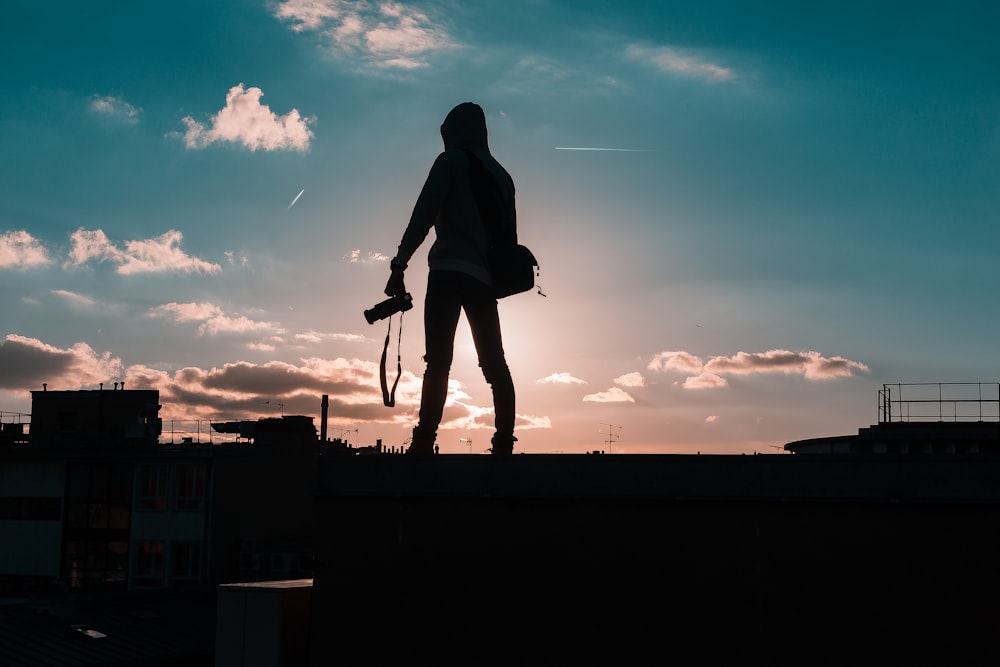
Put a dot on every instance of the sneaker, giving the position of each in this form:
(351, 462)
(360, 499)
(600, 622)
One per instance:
(421, 447)
(502, 446)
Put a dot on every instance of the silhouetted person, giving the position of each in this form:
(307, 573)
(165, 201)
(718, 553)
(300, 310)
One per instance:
(459, 276)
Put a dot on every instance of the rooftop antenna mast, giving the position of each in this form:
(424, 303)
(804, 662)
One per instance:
(611, 435)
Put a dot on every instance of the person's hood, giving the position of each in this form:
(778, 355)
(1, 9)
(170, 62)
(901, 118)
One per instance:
(465, 125)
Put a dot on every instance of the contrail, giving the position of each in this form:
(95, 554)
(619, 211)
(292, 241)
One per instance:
(591, 148)
(296, 198)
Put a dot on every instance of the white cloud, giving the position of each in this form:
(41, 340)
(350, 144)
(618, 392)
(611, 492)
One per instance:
(314, 337)
(73, 298)
(705, 381)
(21, 250)
(384, 33)
(527, 422)
(709, 375)
(372, 257)
(144, 256)
(679, 62)
(115, 108)
(630, 380)
(244, 120)
(811, 365)
(473, 417)
(212, 320)
(560, 378)
(684, 362)
(267, 345)
(92, 244)
(310, 14)
(235, 260)
(613, 395)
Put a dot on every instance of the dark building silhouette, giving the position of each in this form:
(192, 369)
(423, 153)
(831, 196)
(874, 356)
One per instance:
(554, 559)
(95, 419)
(114, 544)
(92, 500)
(926, 418)
(886, 556)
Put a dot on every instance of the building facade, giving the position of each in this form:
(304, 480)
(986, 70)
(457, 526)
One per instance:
(90, 501)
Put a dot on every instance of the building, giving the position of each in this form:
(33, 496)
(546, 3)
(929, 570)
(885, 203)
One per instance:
(927, 418)
(532, 559)
(90, 499)
(577, 559)
(871, 558)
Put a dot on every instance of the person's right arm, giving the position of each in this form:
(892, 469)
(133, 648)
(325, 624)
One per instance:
(429, 203)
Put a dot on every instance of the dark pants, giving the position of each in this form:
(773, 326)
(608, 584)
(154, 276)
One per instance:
(448, 293)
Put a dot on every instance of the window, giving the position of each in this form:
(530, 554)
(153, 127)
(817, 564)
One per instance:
(148, 564)
(98, 514)
(116, 565)
(189, 490)
(96, 565)
(100, 496)
(153, 488)
(66, 422)
(74, 565)
(31, 509)
(187, 560)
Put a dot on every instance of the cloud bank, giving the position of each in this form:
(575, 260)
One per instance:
(28, 363)
(240, 389)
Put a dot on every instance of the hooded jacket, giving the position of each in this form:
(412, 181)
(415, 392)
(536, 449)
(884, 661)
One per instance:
(447, 204)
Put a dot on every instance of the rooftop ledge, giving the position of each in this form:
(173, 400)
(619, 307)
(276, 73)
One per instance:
(776, 477)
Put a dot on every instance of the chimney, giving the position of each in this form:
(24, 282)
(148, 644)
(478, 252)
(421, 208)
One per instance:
(322, 421)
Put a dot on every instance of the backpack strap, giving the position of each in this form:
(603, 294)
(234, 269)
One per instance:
(490, 202)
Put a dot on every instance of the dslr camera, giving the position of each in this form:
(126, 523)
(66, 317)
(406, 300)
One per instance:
(389, 307)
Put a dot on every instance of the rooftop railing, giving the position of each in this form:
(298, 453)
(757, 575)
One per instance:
(939, 401)
(14, 427)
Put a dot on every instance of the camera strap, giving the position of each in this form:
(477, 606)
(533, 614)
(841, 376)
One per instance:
(389, 397)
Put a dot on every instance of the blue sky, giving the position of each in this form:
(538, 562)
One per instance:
(807, 209)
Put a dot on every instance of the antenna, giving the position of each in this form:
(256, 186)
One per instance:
(611, 435)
